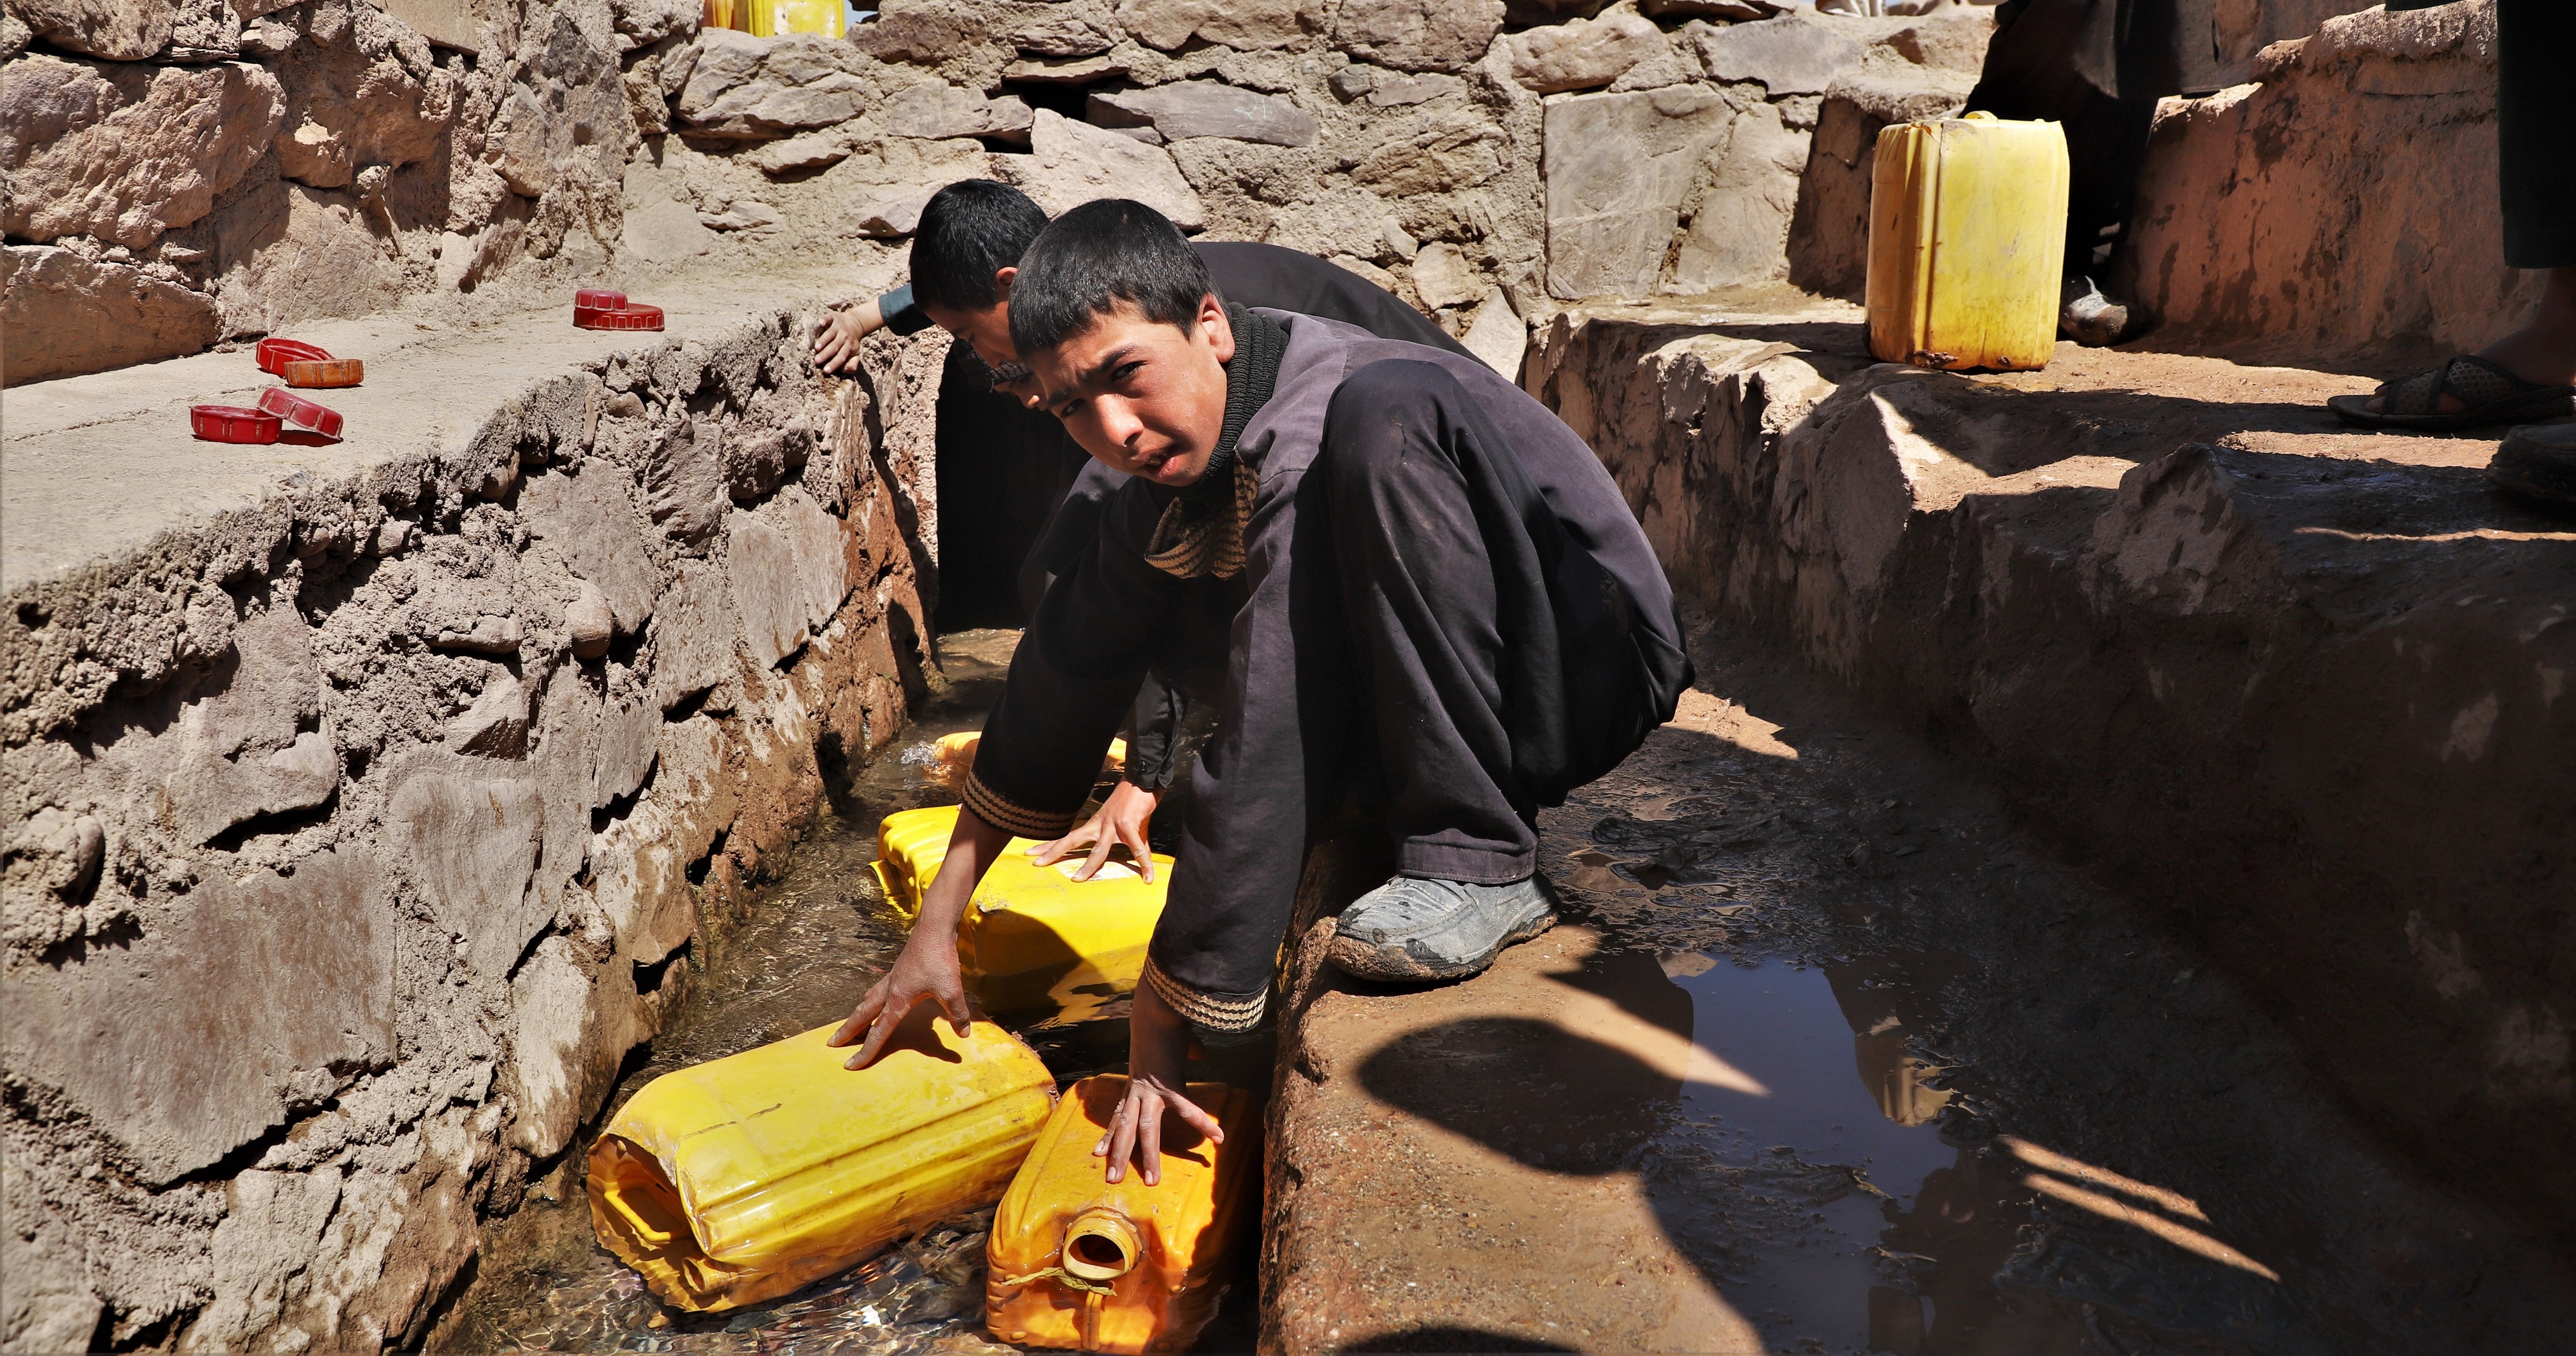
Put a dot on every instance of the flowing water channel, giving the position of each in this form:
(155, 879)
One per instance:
(1915, 1042)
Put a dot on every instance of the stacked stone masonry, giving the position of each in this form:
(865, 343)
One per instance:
(357, 836)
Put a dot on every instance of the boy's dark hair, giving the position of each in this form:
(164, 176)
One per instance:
(1092, 258)
(969, 231)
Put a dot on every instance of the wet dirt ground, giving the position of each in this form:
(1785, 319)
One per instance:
(1944, 1091)
(1926, 1087)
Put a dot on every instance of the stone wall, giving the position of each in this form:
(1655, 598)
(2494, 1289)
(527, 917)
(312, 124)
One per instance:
(2299, 689)
(2342, 207)
(353, 839)
(178, 178)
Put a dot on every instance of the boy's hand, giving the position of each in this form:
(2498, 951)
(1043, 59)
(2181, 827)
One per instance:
(837, 335)
(1158, 1044)
(926, 969)
(1123, 819)
(928, 966)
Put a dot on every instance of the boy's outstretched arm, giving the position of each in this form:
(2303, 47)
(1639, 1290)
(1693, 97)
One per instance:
(927, 968)
(837, 335)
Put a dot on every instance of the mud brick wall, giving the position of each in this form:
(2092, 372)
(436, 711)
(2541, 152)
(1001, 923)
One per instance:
(354, 839)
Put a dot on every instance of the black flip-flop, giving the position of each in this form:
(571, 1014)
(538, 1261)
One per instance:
(2487, 393)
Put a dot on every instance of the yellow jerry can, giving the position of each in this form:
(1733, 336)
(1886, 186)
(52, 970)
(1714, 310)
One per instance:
(1034, 939)
(1967, 243)
(1082, 1263)
(774, 18)
(721, 14)
(953, 756)
(757, 1174)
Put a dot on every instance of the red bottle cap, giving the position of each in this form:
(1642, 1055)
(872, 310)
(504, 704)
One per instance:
(296, 412)
(599, 299)
(232, 424)
(325, 372)
(275, 354)
(634, 317)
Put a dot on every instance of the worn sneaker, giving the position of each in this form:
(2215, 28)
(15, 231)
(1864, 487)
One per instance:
(2539, 463)
(2088, 317)
(1415, 929)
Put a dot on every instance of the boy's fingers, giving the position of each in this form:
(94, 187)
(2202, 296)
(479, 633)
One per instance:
(960, 1016)
(1122, 1138)
(866, 1012)
(1149, 1138)
(1135, 836)
(1197, 1120)
(1099, 857)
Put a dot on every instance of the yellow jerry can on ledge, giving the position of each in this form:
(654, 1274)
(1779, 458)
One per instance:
(1967, 243)
(1034, 939)
(772, 18)
(1081, 1263)
(760, 1173)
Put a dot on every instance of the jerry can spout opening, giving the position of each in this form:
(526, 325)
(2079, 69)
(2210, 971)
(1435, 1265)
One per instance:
(1100, 1245)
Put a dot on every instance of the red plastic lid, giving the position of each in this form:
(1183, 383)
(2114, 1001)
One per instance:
(232, 424)
(325, 372)
(634, 317)
(299, 413)
(599, 299)
(275, 354)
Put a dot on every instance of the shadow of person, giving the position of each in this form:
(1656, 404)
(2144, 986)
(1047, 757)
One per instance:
(1575, 1095)
(1450, 1339)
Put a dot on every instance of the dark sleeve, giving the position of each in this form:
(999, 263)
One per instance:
(1077, 668)
(1286, 280)
(1069, 531)
(901, 313)
(1154, 734)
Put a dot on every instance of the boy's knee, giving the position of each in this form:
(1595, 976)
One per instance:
(1385, 408)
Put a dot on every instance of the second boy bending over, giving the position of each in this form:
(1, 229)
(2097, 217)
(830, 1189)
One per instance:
(1433, 600)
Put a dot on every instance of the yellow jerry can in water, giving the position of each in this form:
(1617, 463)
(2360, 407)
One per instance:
(1034, 939)
(1082, 1263)
(1967, 243)
(757, 1174)
(952, 756)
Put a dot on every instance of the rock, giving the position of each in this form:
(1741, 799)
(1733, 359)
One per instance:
(1739, 231)
(119, 30)
(1245, 25)
(273, 1224)
(927, 33)
(355, 100)
(1584, 54)
(1389, 90)
(747, 214)
(693, 635)
(1062, 35)
(1079, 71)
(684, 483)
(471, 843)
(1534, 13)
(1071, 163)
(2285, 181)
(1611, 215)
(591, 518)
(753, 88)
(452, 23)
(163, 1045)
(1354, 264)
(285, 255)
(1398, 242)
(66, 315)
(213, 794)
(1792, 54)
(820, 543)
(1442, 278)
(496, 725)
(628, 733)
(487, 634)
(1828, 244)
(1498, 335)
(568, 1034)
(935, 111)
(894, 218)
(589, 621)
(758, 461)
(239, 752)
(565, 118)
(1205, 108)
(1417, 35)
(1730, 10)
(1435, 151)
(60, 853)
(659, 226)
(124, 153)
(641, 23)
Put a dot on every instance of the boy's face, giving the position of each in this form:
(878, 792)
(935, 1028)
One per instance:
(988, 332)
(1144, 397)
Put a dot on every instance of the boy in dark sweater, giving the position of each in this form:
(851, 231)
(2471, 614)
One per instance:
(1430, 595)
(1035, 494)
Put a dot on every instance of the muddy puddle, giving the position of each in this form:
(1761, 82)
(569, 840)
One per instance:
(816, 938)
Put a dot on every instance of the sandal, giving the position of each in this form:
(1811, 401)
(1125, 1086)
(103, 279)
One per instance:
(2488, 393)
